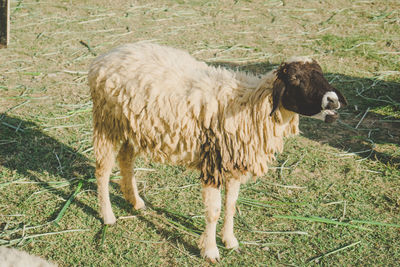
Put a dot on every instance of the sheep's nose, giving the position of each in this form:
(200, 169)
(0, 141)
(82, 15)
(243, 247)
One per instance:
(333, 103)
(330, 101)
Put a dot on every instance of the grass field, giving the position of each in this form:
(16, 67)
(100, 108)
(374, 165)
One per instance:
(331, 199)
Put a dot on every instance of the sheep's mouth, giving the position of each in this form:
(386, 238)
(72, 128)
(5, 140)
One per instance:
(331, 115)
(327, 115)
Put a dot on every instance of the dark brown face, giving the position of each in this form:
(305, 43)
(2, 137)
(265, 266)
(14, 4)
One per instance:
(301, 87)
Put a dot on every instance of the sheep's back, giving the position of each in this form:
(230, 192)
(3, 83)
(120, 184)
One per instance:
(157, 97)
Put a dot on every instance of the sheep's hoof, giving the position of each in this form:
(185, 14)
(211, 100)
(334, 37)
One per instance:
(213, 261)
(211, 255)
(139, 205)
(231, 243)
(109, 220)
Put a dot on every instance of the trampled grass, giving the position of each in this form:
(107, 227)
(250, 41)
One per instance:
(331, 199)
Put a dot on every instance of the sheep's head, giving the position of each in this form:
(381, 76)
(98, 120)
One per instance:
(301, 87)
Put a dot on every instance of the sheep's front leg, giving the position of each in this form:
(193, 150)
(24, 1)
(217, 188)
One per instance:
(212, 203)
(232, 186)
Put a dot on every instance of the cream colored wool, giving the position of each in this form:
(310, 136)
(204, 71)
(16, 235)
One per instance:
(173, 108)
(11, 257)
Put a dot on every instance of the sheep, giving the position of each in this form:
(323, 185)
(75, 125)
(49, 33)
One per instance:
(160, 102)
(11, 257)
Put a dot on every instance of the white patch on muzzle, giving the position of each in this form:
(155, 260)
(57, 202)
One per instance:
(329, 95)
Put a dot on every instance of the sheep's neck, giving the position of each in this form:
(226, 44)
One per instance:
(252, 135)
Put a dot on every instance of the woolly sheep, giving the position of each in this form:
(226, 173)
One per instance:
(160, 102)
(11, 257)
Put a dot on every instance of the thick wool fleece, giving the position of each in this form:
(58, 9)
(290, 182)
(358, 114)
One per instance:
(176, 109)
(11, 257)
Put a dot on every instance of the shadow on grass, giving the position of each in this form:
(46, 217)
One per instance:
(32, 154)
(25, 149)
(354, 132)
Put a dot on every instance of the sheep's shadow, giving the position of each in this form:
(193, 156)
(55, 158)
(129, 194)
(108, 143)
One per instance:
(26, 150)
(354, 132)
(147, 218)
(29, 152)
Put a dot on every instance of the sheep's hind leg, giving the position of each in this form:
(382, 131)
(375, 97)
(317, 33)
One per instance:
(128, 184)
(232, 186)
(104, 153)
(212, 203)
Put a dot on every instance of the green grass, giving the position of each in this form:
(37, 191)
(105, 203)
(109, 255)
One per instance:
(331, 199)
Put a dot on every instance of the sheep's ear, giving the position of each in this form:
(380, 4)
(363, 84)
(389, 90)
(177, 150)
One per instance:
(342, 99)
(277, 93)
